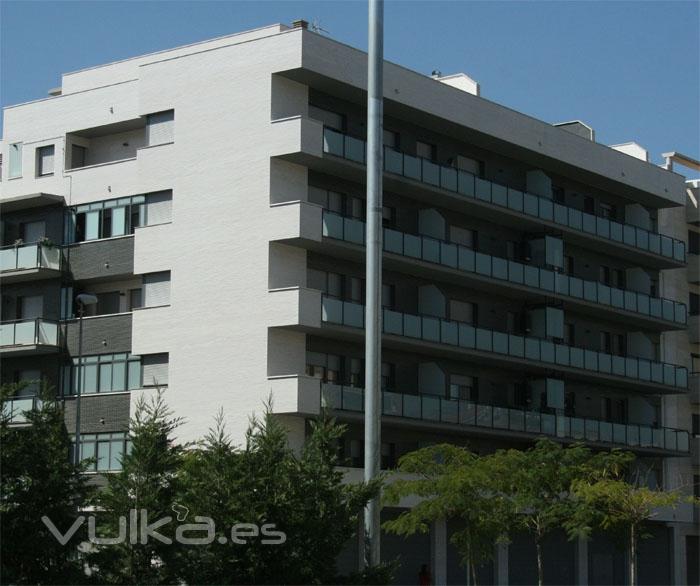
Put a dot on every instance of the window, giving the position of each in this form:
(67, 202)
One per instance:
(105, 219)
(324, 366)
(511, 322)
(695, 363)
(356, 208)
(693, 303)
(107, 303)
(614, 410)
(357, 372)
(605, 342)
(696, 487)
(559, 194)
(155, 369)
(388, 456)
(105, 449)
(44, 160)
(463, 311)
(463, 236)
(693, 242)
(388, 217)
(135, 299)
(330, 119)
(569, 265)
(654, 287)
(425, 150)
(570, 334)
(618, 278)
(103, 373)
(464, 388)
(159, 208)
(618, 345)
(388, 380)
(31, 380)
(356, 290)
(160, 127)
(78, 156)
(604, 274)
(15, 165)
(391, 139)
(329, 200)
(588, 204)
(696, 424)
(32, 231)
(388, 293)
(607, 210)
(156, 289)
(470, 165)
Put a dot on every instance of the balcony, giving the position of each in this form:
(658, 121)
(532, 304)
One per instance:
(30, 336)
(524, 210)
(29, 262)
(423, 333)
(476, 417)
(485, 269)
(15, 409)
(692, 210)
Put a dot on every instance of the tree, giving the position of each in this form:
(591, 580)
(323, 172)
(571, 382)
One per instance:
(613, 502)
(538, 483)
(37, 479)
(266, 482)
(452, 482)
(147, 481)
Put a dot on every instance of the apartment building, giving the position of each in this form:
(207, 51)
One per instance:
(211, 197)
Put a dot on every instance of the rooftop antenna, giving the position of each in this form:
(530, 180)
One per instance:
(317, 28)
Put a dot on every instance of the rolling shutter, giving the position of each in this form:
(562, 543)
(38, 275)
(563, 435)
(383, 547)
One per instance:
(156, 289)
(159, 207)
(155, 369)
(160, 127)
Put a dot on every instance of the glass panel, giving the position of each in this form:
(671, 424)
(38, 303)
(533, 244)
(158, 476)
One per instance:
(393, 161)
(119, 376)
(484, 415)
(391, 404)
(431, 173)
(500, 417)
(115, 455)
(483, 339)
(103, 455)
(134, 374)
(332, 142)
(411, 406)
(448, 411)
(467, 413)
(431, 250)
(499, 195)
(483, 264)
(92, 225)
(354, 315)
(354, 231)
(466, 183)
(431, 329)
(332, 225)
(515, 200)
(354, 149)
(448, 178)
(483, 189)
(332, 310)
(431, 407)
(531, 204)
(411, 167)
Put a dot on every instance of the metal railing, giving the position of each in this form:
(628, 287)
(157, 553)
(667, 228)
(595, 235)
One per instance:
(463, 335)
(433, 408)
(30, 256)
(468, 185)
(29, 332)
(15, 409)
(465, 259)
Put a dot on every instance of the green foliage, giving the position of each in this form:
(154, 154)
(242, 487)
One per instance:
(37, 478)
(147, 481)
(452, 482)
(267, 482)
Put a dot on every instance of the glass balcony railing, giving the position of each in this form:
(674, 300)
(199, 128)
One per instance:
(467, 185)
(548, 353)
(15, 409)
(433, 408)
(29, 332)
(465, 259)
(30, 256)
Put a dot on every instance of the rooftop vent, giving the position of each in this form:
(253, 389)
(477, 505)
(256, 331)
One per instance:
(461, 81)
(633, 150)
(56, 91)
(578, 128)
(300, 23)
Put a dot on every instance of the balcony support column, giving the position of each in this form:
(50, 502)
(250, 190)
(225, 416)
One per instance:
(581, 561)
(502, 564)
(438, 550)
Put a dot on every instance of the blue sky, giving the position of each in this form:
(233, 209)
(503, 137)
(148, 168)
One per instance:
(629, 69)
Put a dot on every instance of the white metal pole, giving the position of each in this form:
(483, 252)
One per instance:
(373, 302)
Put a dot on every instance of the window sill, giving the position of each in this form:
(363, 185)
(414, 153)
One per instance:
(106, 163)
(151, 307)
(99, 240)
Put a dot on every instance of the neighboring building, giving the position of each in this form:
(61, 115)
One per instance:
(212, 197)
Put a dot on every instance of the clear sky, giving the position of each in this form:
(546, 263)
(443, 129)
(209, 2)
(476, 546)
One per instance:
(629, 69)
